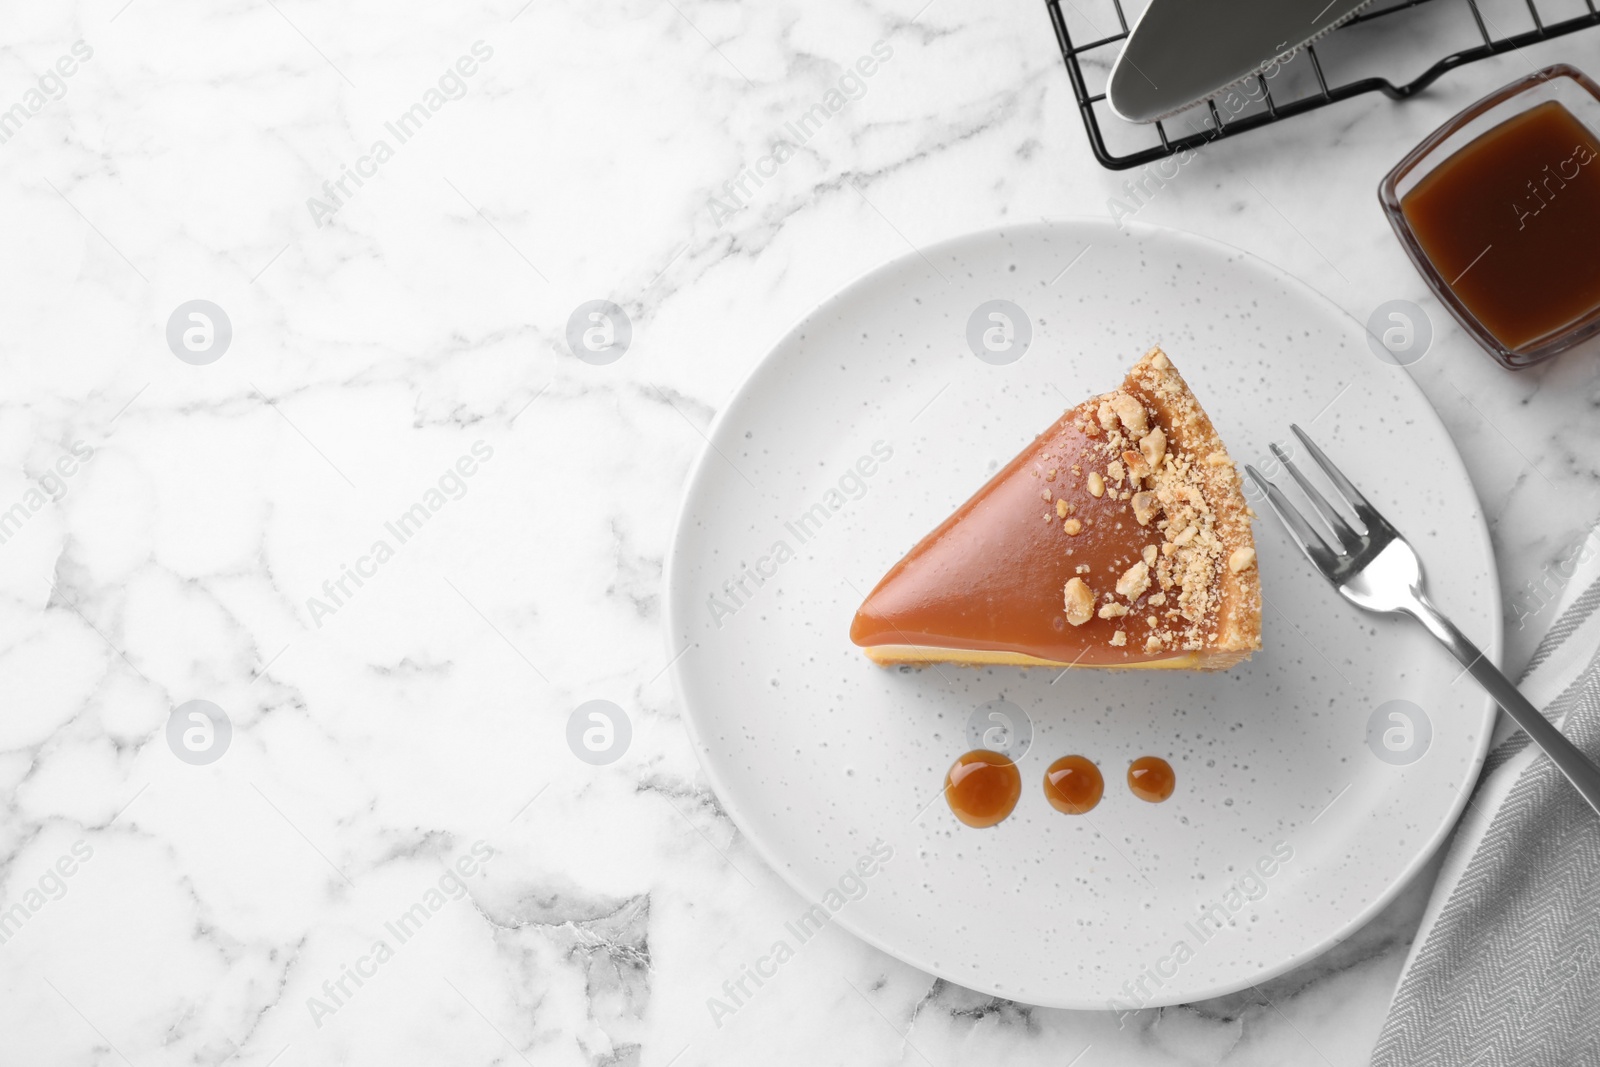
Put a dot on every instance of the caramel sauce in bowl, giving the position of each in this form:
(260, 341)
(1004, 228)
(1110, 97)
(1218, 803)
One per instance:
(982, 788)
(1502, 218)
(1493, 207)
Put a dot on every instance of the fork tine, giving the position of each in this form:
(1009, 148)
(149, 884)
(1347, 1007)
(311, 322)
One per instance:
(1358, 503)
(1349, 540)
(1301, 531)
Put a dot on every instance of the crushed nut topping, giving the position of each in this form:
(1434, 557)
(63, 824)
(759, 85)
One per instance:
(1079, 600)
(1107, 414)
(1169, 491)
(1131, 412)
(1153, 446)
(1134, 581)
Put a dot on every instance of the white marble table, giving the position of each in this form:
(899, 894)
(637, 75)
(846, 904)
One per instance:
(393, 336)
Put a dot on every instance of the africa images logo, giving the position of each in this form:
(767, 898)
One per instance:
(742, 588)
(851, 886)
(451, 85)
(786, 144)
(1244, 892)
(338, 991)
(51, 86)
(452, 484)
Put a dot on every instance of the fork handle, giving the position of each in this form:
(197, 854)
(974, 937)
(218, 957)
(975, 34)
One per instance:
(1578, 768)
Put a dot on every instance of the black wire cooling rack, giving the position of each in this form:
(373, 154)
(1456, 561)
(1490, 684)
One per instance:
(1348, 62)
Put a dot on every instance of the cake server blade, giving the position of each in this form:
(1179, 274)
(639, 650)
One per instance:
(1183, 51)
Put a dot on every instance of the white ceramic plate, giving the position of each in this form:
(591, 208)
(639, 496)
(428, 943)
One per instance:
(1287, 829)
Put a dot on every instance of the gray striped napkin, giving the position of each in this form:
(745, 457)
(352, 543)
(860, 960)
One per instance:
(1506, 966)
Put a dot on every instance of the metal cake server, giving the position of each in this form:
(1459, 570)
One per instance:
(1183, 51)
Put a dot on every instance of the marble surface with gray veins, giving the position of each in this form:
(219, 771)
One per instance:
(396, 857)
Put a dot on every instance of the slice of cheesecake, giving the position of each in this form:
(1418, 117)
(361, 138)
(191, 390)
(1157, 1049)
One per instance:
(1118, 538)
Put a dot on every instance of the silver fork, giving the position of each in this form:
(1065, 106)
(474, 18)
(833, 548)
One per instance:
(1377, 569)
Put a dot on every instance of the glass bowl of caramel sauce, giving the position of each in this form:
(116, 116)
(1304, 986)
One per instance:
(1499, 209)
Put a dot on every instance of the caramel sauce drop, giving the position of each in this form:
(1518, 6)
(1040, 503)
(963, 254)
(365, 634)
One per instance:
(1073, 785)
(982, 787)
(1151, 778)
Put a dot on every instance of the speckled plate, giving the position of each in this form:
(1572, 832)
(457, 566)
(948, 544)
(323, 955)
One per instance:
(1312, 782)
